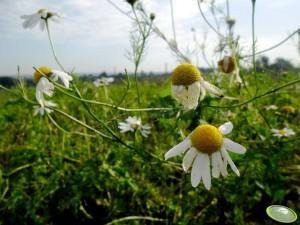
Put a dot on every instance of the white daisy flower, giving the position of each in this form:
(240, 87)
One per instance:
(104, 81)
(43, 108)
(271, 107)
(285, 132)
(188, 86)
(207, 153)
(44, 86)
(228, 65)
(134, 123)
(40, 17)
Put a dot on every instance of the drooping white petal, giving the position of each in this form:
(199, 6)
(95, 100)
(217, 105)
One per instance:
(64, 77)
(42, 24)
(178, 149)
(188, 96)
(202, 92)
(226, 157)
(212, 88)
(222, 164)
(30, 20)
(233, 146)
(205, 170)
(215, 167)
(188, 159)
(193, 95)
(196, 170)
(39, 97)
(226, 128)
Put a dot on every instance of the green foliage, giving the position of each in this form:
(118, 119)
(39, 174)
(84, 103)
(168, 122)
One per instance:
(51, 177)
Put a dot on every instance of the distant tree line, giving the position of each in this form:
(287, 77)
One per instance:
(263, 64)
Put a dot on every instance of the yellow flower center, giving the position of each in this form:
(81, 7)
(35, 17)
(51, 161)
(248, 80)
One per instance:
(41, 11)
(44, 70)
(282, 132)
(288, 109)
(207, 139)
(227, 64)
(185, 74)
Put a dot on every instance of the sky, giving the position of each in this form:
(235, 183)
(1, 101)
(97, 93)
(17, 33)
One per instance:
(93, 37)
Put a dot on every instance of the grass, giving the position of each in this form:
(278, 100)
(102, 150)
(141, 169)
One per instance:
(52, 177)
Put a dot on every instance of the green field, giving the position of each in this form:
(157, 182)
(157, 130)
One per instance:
(64, 173)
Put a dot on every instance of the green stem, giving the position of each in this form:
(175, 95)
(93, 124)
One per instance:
(206, 20)
(274, 46)
(128, 218)
(52, 47)
(253, 47)
(273, 90)
(100, 121)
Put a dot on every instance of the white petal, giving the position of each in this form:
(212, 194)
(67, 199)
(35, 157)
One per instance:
(178, 149)
(205, 169)
(212, 88)
(188, 159)
(233, 146)
(215, 165)
(193, 95)
(64, 77)
(226, 157)
(222, 164)
(196, 170)
(202, 93)
(226, 128)
(39, 97)
(42, 25)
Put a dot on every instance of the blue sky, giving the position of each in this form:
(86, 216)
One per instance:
(93, 36)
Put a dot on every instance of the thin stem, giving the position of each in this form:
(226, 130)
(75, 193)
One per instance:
(173, 21)
(100, 121)
(52, 47)
(253, 46)
(128, 218)
(110, 105)
(81, 123)
(273, 90)
(274, 46)
(206, 20)
(64, 130)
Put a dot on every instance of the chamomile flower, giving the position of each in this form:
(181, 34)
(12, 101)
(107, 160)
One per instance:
(40, 17)
(271, 107)
(134, 124)
(228, 65)
(188, 86)
(104, 81)
(207, 153)
(44, 86)
(43, 108)
(285, 132)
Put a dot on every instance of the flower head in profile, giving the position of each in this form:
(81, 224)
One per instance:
(285, 132)
(188, 86)
(134, 124)
(40, 17)
(44, 108)
(228, 65)
(207, 153)
(104, 81)
(44, 86)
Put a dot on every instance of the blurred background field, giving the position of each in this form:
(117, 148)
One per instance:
(48, 176)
